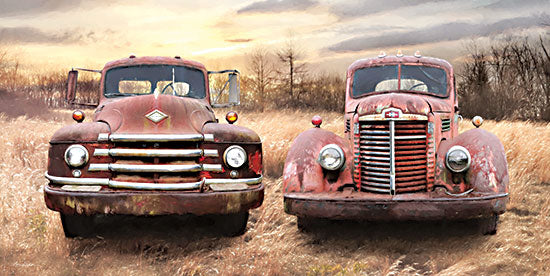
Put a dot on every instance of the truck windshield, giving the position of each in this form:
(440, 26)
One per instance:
(414, 78)
(147, 79)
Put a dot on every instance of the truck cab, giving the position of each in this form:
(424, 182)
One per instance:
(402, 157)
(153, 147)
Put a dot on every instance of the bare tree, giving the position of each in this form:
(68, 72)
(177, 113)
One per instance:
(262, 68)
(289, 56)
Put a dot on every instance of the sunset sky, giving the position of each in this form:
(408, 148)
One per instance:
(330, 34)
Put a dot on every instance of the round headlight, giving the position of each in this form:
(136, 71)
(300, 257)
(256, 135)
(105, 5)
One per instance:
(234, 156)
(76, 156)
(458, 159)
(331, 157)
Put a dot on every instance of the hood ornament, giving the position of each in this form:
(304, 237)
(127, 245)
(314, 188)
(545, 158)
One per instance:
(156, 116)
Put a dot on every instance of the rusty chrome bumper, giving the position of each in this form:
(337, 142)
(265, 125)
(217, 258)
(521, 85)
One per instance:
(152, 202)
(149, 186)
(366, 206)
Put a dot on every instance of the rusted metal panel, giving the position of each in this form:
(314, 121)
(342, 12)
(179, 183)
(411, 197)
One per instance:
(152, 203)
(302, 172)
(488, 171)
(414, 146)
(226, 133)
(127, 115)
(368, 207)
(148, 140)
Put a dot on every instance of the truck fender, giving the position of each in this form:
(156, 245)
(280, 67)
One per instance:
(488, 172)
(303, 173)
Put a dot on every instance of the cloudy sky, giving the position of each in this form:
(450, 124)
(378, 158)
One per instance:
(330, 34)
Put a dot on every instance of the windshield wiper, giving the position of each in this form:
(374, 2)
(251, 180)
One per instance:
(119, 94)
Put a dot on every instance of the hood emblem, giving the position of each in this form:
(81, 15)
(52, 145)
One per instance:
(156, 116)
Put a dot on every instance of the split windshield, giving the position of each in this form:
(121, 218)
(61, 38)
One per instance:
(148, 79)
(414, 78)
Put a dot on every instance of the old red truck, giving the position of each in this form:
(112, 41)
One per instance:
(154, 147)
(402, 157)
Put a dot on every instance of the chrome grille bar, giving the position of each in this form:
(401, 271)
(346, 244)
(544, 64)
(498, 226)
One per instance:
(149, 186)
(121, 137)
(138, 168)
(156, 152)
(392, 157)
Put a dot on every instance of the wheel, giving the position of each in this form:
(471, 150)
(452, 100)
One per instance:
(232, 225)
(77, 225)
(305, 224)
(488, 226)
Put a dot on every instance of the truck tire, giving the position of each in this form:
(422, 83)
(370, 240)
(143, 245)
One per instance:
(232, 225)
(306, 224)
(488, 226)
(77, 225)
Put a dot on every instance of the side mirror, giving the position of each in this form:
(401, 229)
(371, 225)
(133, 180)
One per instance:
(72, 81)
(234, 89)
(230, 93)
(71, 86)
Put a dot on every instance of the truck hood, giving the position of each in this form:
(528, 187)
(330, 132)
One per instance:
(408, 103)
(162, 114)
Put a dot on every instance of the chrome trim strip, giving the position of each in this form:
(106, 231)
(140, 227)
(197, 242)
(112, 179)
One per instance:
(156, 186)
(144, 168)
(77, 181)
(212, 167)
(154, 168)
(402, 117)
(156, 152)
(122, 137)
(149, 186)
(248, 181)
(392, 157)
(410, 137)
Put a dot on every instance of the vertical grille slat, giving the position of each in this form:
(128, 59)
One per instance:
(408, 149)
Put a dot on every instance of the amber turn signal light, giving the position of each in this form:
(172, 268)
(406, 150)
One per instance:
(231, 117)
(477, 121)
(316, 121)
(78, 116)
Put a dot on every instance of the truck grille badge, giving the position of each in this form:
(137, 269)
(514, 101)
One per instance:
(156, 116)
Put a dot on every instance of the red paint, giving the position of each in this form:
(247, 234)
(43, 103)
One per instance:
(423, 182)
(317, 121)
(126, 115)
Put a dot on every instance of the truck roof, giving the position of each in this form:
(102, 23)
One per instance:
(150, 60)
(367, 62)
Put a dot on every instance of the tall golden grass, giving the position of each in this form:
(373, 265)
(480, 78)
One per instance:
(32, 242)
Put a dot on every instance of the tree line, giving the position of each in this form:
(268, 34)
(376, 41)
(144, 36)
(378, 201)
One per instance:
(507, 79)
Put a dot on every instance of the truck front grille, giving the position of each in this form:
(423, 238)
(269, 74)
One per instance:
(155, 158)
(404, 156)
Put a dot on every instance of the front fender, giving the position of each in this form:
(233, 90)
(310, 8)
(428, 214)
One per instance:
(303, 173)
(488, 171)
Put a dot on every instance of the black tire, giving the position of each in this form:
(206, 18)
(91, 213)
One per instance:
(232, 225)
(77, 225)
(305, 224)
(488, 226)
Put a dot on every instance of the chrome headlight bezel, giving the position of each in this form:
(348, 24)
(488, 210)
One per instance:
(83, 159)
(229, 151)
(458, 149)
(335, 149)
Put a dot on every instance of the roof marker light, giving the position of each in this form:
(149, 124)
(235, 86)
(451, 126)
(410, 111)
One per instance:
(317, 121)
(382, 54)
(417, 54)
(399, 53)
(132, 56)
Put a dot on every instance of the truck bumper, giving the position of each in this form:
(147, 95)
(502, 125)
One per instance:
(367, 206)
(152, 202)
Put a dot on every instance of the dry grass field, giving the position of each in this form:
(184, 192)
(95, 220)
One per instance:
(32, 241)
